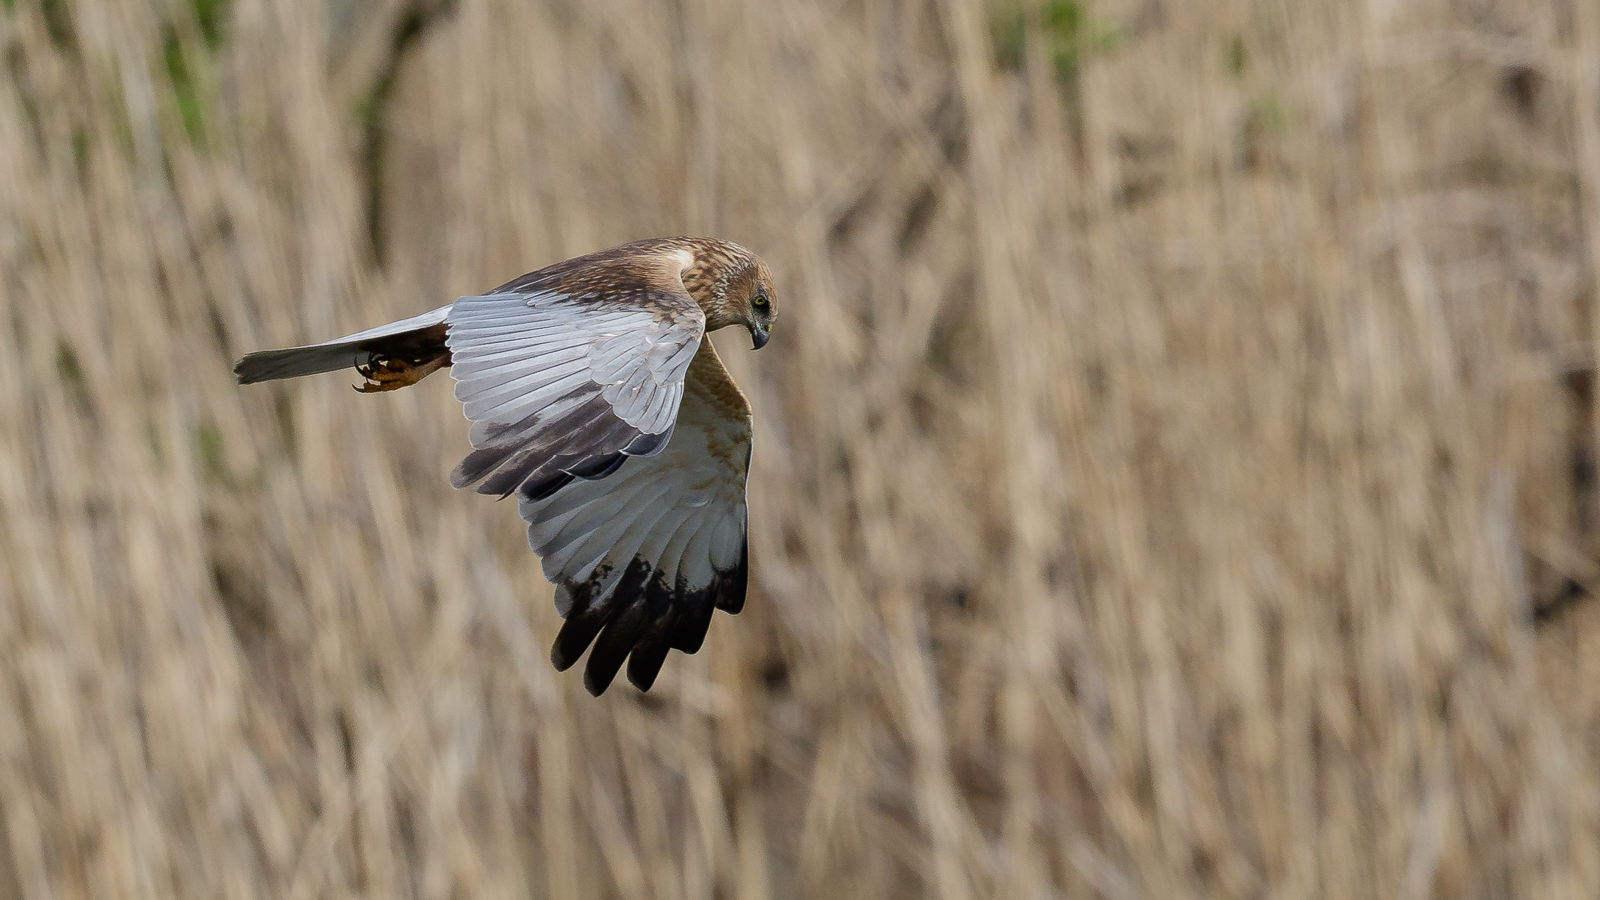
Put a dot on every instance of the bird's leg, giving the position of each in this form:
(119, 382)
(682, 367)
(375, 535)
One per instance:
(390, 373)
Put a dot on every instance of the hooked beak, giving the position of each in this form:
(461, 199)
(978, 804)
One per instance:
(759, 337)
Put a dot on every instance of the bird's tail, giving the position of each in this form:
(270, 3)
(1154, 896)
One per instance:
(392, 355)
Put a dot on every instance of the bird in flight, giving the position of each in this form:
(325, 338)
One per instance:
(595, 398)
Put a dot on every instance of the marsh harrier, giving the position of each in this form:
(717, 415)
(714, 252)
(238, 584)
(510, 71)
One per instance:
(596, 399)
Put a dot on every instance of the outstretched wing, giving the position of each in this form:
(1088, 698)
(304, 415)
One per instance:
(641, 559)
(567, 372)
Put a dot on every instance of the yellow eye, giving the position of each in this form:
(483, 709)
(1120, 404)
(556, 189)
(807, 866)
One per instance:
(759, 302)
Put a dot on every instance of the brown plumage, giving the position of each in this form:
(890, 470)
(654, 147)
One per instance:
(596, 401)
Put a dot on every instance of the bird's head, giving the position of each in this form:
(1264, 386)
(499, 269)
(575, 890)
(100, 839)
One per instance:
(760, 305)
(733, 287)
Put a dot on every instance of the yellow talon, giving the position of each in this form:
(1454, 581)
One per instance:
(388, 373)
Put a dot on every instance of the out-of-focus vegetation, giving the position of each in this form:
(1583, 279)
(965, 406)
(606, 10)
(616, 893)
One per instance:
(1175, 467)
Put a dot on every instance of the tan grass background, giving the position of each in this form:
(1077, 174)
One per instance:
(1174, 472)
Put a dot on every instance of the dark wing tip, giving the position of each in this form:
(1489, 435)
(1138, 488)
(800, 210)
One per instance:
(622, 632)
(648, 656)
(731, 584)
(695, 608)
(613, 645)
(576, 633)
(640, 622)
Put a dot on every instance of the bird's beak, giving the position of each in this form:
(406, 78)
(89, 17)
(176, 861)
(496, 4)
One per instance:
(759, 336)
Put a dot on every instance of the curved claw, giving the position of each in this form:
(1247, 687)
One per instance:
(389, 373)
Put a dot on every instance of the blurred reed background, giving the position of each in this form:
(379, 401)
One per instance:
(1175, 469)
